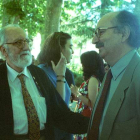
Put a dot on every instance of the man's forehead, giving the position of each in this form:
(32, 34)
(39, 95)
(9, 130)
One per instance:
(107, 19)
(11, 30)
(14, 33)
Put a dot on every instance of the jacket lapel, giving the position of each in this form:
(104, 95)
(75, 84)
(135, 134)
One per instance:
(118, 98)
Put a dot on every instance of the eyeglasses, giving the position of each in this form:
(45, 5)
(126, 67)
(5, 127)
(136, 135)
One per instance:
(20, 43)
(100, 31)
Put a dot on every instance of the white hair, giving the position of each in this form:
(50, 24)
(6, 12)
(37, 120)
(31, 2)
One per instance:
(3, 36)
(3, 33)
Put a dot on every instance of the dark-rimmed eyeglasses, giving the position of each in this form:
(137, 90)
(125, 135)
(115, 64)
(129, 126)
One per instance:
(20, 43)
(99, 31)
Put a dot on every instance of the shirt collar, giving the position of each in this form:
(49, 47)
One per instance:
(12, 74)
(121, 65)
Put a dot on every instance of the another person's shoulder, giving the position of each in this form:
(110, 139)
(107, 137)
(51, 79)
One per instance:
(35, 68)
(42, 65)
(38, 72)
(93, 80)
(68, 71)
(69, 77)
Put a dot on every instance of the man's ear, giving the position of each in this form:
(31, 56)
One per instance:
(3, 51)
(125, 33)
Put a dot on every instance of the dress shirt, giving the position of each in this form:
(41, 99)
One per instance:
(117, 73)
(19, 111)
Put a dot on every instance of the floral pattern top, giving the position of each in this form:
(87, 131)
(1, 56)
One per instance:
(84, 91)
(81, 107)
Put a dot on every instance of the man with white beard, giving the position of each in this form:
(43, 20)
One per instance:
(30, 106)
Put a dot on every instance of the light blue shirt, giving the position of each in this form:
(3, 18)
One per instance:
(19, 111)
(117, 72)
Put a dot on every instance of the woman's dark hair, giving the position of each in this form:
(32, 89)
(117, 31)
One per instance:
(125, 18)
(92, 65)
(52, 48)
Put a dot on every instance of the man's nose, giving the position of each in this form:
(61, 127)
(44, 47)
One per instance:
(27, 46)
(95, 39)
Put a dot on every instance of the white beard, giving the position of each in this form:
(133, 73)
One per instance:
(21, 61)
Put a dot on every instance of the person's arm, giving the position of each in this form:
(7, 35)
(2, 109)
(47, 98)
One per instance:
(60, 70)
(60, 86)
(58, 113)
(93, 86)
(92, 92)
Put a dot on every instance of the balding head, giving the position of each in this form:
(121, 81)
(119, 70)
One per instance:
(125, 18)
(4, 35)
(117, 33)
(110, 16)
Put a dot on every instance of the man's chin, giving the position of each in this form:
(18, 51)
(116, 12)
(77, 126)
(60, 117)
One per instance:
(102, 54)
(24, 63)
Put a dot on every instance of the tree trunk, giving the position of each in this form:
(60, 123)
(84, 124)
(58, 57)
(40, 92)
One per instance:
(52, 18)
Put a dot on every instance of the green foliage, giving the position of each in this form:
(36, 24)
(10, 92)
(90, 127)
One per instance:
(86, 13)
(31, 14)
(34, 20)
(78, 18)
(16, 11)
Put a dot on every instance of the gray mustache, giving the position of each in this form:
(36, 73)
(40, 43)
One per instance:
(99, 44)
(25, 52)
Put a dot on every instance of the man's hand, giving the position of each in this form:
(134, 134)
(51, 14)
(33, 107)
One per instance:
(60, 68)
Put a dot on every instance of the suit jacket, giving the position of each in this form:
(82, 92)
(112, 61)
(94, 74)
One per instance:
(58, 114)
(122, 119)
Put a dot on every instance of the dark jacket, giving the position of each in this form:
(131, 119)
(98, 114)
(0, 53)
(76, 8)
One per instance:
(58, 114)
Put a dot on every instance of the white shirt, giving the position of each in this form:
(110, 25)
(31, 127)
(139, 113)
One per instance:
(19, 112)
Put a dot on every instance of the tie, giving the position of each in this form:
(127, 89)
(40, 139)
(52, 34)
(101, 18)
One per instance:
(94, 131)
(33, 121)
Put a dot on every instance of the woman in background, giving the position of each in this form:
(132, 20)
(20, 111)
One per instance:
(57, 44)
(93, 73)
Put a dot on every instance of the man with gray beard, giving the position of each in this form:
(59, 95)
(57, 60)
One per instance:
(30, 106)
